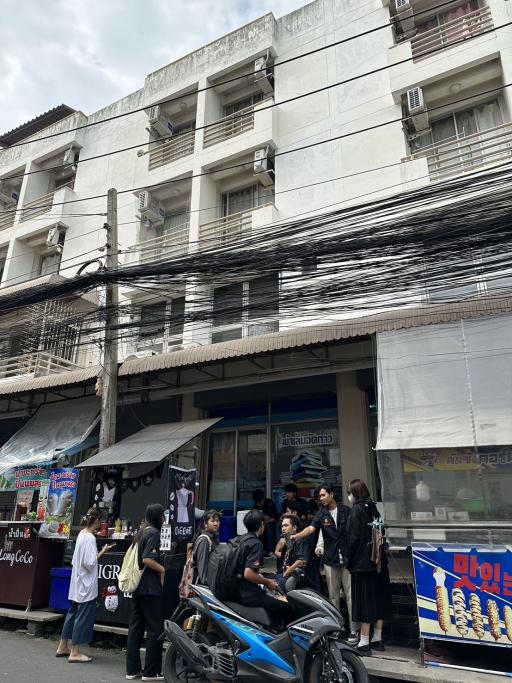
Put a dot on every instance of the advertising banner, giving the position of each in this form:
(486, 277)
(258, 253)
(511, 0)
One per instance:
(181, 503)
(464, 594)
(60, 504)
(30, 477)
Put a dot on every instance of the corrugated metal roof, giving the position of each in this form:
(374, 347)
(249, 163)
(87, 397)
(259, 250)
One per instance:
(57, 379)
(36, 124)
(318, 334)
(151, 444)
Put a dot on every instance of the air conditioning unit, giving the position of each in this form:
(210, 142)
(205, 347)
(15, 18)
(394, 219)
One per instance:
(70, 157)
(160, 124)
(150, 209)
(54, 238)
(417, 109)
(404, 17)
(149, 349)
(263, 75)
(175, 347)
(7, 195)
(264, 166)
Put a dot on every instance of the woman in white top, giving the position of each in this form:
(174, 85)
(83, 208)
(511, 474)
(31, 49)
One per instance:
(83, 591)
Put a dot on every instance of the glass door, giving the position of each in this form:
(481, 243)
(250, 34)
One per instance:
(221, 471)
(252, 466)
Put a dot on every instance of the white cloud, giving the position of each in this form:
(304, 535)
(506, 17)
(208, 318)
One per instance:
(88, 53)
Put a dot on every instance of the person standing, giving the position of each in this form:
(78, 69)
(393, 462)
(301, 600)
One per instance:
(204, 543)
(83, 590)
(332, 520)
(268, 507)
(147, 602)
(291, 495)
(371, 587)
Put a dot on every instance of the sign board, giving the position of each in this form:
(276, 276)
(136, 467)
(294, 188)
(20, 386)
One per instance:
(464, 594)
(30, 478)
(60, 505)
(113, 606)
(181, 503)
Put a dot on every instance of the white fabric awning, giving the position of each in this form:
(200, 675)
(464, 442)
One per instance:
(446, 386)
(54, 428)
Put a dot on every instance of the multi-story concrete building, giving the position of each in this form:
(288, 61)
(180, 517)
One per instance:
(419, 96)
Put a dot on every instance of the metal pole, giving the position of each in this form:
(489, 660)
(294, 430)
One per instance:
(110, 352)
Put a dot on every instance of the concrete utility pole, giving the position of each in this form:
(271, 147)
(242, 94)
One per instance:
(110, 353)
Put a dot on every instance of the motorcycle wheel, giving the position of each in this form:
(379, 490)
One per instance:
(320, 670)
(174, 669)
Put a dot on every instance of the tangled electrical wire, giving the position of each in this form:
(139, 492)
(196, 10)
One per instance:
(386, 253)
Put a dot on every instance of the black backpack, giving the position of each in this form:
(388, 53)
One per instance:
(223, 571)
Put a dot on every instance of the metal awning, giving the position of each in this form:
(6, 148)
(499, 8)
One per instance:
(151, 444)
(55, 428)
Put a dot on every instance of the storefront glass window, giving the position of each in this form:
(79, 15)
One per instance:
(222, 470)
(252, 466)
(446, 485)
(306, 454)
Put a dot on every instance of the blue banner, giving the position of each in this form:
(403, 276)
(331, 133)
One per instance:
(464, 594)
(60, 504)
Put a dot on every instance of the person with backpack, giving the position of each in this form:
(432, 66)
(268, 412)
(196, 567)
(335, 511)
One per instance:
(251, 582)
(204, 543)
(147, 601)
(367, 563)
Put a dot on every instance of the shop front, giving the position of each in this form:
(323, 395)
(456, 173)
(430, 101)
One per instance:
(445, 458)
(39, 477)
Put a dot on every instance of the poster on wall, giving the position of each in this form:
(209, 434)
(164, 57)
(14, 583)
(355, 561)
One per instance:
(464, 594)
(60, 504)
(181, 502)
(306, 455)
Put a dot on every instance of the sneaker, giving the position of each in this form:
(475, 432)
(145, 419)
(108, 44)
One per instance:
(158, 677)
(364, 650)
(378, 645)
(132, 677)
(353, 638)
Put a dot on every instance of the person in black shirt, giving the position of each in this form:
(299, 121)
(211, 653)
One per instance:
(291, 496)
(250, 560)
(147, 602)
(295, 557)
(332, 520)
(268, 507)
(204, 543)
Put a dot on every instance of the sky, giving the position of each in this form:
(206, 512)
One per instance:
(88, 53)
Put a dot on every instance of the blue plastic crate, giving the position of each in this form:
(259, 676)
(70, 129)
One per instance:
(59, 589)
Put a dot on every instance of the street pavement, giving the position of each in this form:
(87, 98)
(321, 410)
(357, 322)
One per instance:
(25, 659)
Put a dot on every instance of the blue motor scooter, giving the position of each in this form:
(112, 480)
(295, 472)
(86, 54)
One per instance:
(226, 641)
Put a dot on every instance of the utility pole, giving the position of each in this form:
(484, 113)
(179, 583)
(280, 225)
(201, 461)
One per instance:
(110, 352)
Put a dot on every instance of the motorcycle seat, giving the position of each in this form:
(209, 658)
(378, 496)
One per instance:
(257, 614)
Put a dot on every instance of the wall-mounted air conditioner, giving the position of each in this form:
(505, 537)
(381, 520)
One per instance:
(404, 17)
(264, 166)
(417, 109)
(150, 209)
(263, 75)
(160, 125)
(7, 195)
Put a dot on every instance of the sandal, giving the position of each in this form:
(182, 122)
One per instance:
(62, 654)
(80, 660)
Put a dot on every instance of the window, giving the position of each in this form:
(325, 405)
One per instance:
(249, 101)
(246, 308)
(152, 320)
(245, 199)
(176, 321)
(49, 263)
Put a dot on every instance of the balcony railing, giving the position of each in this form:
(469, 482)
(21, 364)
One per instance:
(35, 364)
(6, 218)
(454, 31)
(166, 152)
(37, 207)
(465, 153)
(168, 246)
(232, 125)
(225, 230)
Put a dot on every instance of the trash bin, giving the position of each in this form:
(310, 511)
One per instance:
(59, 589)
(227, 528)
